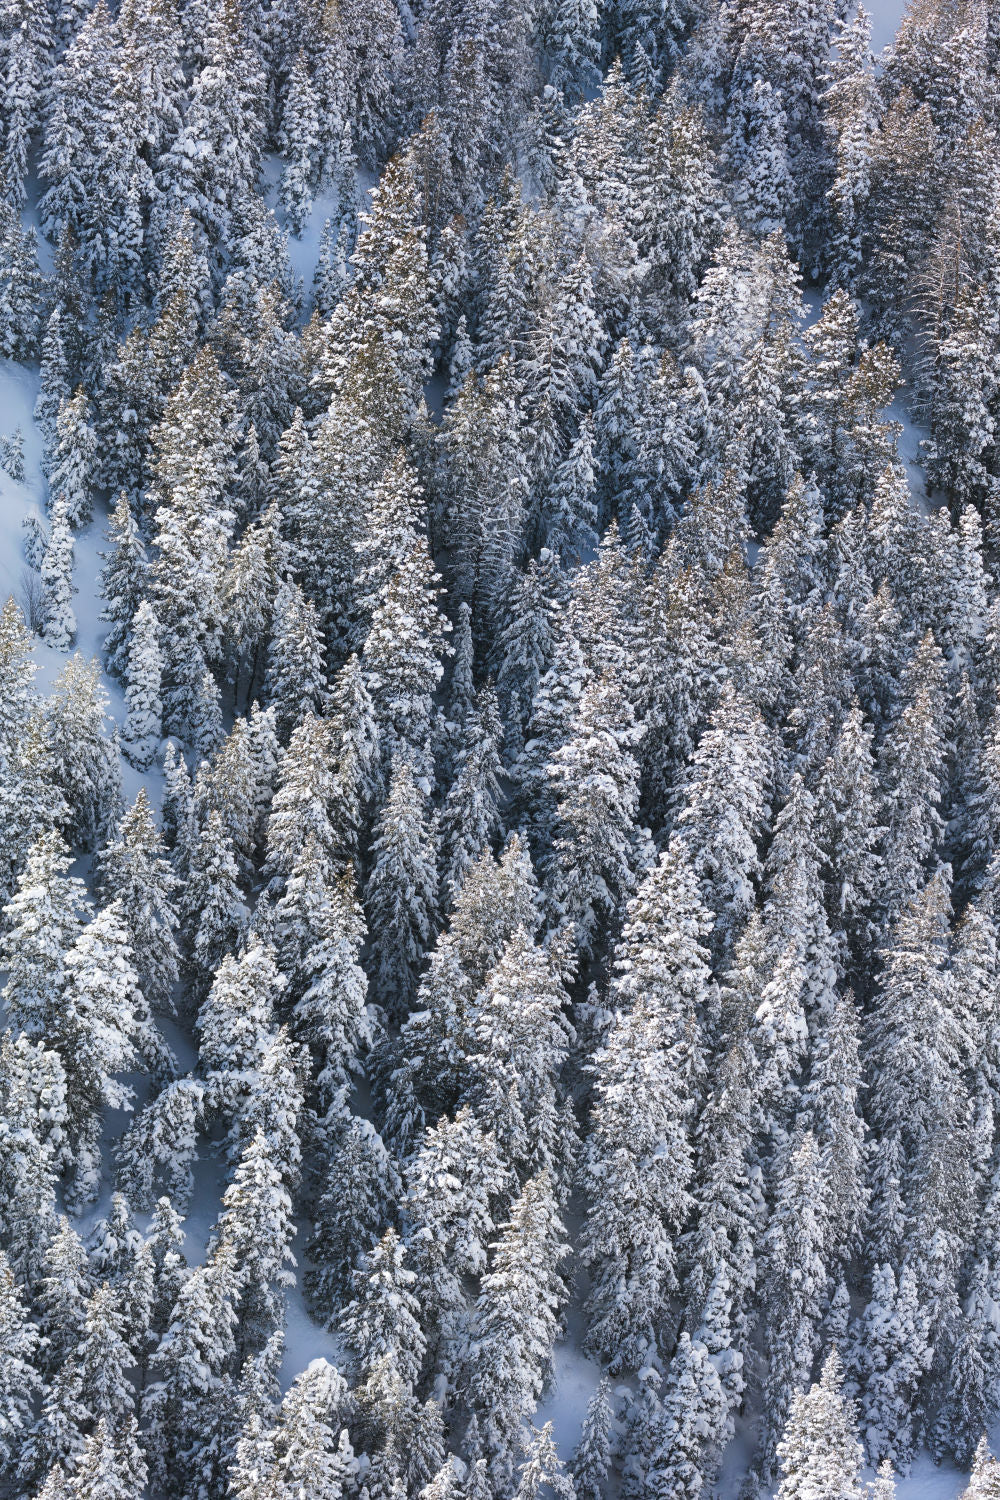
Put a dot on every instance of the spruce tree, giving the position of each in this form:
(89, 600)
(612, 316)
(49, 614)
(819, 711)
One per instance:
(401, 895)
(43, 920)
(136, 875)
(143, 727)
(100, 1036)
(83, 758)
(516, 1321)
(592, 1457)
(123, 581)
(21, 1380)
(595, 783)
(820, 1449)
(382, 1322)
(58, 616)
(795, 1282)
(72, 466)
(296, 681)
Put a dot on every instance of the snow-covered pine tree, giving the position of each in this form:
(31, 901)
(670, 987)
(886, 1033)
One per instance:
(516, 1321)
(17, 670)
(723, 812)
(382, 1321)
(43, 920)
(637, 1169)
(99, 1036)
(296, 682)
(143, 728)
(83, 759)
(21, 283)
(470, 819)
(795, 1283)
(455, 1181)
(401, 894)
(820, 1448)
(123, 582)
(358, 1185)
(136, 875)
(20, 1378)
(58, 616)
(592, 1456)
(300, 143)
(595, 783)
(985, 1478)
(71, 472)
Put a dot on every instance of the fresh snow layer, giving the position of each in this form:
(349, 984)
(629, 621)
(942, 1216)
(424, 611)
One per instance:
(886, 16)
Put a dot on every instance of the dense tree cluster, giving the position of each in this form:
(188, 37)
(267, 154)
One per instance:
(575, 882)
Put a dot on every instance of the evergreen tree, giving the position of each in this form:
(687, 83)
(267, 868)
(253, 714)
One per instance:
(401, 895)
(832, 1098)
(972, 1398)
(795, 1282)
(893, 1356)
(313, 1459)
(295, 676)
(111, 1466)
(21, 1381)
(516, 1321)
(542, 1468)
(820, 1449)
(63, 1295)
(638, 1166)
(694, 1423)
(83, 759)
(99, 1037)
(470, 818)
(985, 1474)
(300, 143)
(359, 1184)
(235, 1021)
(137, 876)
(382, 1322)
(351, 715)
(915, 1035)
(256, 1220)
(188, 1362)
(301, 809)
(72, 467)
(123, 582)
(143, 725)
(21, 285)
(910, 770)
(332, 1015)
(454, 1180)
(595, 780)
(213, 905)
(402, 656)
(43, 921)
(58, 617)
(520, 1041)
(17, 670)
(592, 1458)
(53, 387)
(722, 814)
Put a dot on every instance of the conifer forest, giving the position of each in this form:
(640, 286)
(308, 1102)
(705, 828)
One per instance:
(499, 750)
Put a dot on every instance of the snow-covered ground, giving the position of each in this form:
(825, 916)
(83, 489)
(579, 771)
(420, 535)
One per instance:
(886, 16)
